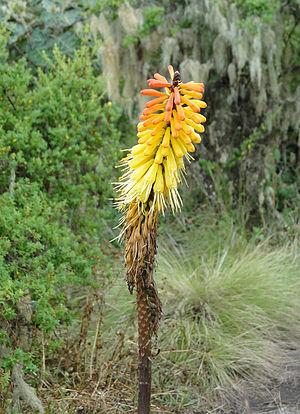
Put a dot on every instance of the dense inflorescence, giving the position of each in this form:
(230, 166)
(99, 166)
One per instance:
(170, 126)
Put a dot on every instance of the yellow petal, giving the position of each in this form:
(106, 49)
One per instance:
(184, 137)
(198, 118)
(176, 147)
(150, 150)
(171, 71)
(158, 118)
(138, 149)
(166, 139)
(139, 160)
(180, 163)
(190, 148)
(139, 172)
(198, 127)
(141, 134)
(195, 138)
(174, 131)
(187, 129)
(192, 94)
(159, 182)
(145, 137)
(199, 103)
(151, 174)
(169, 176)
(171, 163)
(159, 128)
(155, 139)
(159, 156)
(165, 151)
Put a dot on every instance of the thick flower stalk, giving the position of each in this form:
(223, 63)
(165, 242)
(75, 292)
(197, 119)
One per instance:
(169, 128)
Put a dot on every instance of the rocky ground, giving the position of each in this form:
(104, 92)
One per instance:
(279, 396)
(285, 395)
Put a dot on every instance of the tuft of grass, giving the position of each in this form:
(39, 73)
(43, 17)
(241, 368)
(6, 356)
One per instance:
(231, 309)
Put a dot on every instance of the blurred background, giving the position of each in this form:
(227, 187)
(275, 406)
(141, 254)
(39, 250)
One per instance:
(228, 264)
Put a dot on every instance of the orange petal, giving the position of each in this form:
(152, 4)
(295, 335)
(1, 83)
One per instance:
(158, 118)
(152, 92)
(197, 87)
(171, 71)
(176, 96)
(169, 106)
(180, 112)
(154, 108)
(148, 122)
(145, 117)
(177, 123)
(159, 127)
(157, 84)
(168, 116)
(190, 104)
(155, 101)
(159, 77)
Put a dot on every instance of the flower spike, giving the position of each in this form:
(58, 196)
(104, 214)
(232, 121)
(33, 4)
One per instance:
(171, 123)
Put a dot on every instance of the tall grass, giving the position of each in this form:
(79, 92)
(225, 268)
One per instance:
(232, 307)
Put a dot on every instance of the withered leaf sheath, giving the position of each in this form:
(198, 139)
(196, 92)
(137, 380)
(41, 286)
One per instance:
(140, 250)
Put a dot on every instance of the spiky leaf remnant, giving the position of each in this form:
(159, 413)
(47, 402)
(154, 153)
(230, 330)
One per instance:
(170, 126)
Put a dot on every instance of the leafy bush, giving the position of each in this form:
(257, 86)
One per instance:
(39, 25)
(59, 140)
(253, 12)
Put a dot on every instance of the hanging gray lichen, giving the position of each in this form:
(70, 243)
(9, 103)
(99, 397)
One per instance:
(253, 105)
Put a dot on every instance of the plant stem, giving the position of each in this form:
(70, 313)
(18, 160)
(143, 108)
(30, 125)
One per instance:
(145, 363)
(140, 250)
(144, 385)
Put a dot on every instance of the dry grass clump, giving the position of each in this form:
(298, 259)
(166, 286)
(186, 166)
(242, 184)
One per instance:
(231, 310)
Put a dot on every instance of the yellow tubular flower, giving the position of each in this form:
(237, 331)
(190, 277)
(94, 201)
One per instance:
(159, 155)
(170, 125)
(177, 148)
(166, 140)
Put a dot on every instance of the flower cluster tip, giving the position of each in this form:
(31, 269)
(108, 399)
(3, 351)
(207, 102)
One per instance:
(170, 126)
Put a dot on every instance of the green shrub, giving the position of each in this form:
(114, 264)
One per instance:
(59, 140)
(39, 25)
